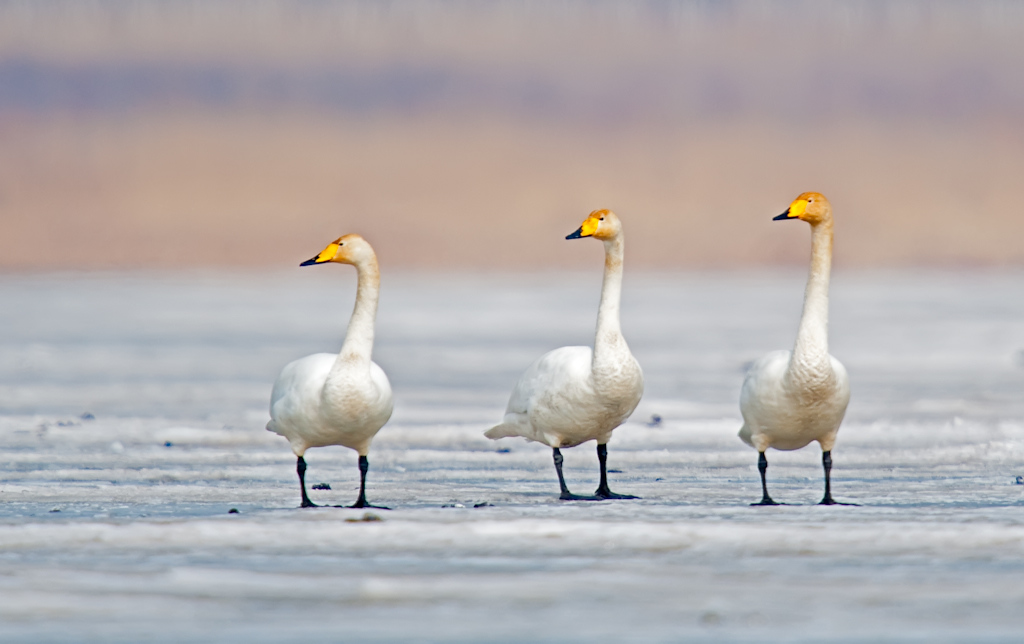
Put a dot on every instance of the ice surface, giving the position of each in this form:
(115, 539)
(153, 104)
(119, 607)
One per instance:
(116, 528)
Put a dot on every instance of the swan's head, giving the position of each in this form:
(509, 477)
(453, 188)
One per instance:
(348, 249)
(600, 224)
(811, 207)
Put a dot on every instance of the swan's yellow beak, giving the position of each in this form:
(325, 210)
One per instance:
(588, 228)
(325, 256)
(795, 210)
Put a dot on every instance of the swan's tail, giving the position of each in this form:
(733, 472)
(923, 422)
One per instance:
(746, 435)
(501, 430)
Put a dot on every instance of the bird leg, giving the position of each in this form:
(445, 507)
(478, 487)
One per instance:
(300, 467)
(364, 466)
(762, 466)
(566, 494)
(602, 490)
(826, 461)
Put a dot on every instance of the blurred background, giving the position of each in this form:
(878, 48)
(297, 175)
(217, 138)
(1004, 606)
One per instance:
(476, 135)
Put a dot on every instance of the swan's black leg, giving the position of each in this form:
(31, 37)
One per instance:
(300, 467)
(364, 466)
(602, 490)
(826, 461)
(762, 466)
(566, 494)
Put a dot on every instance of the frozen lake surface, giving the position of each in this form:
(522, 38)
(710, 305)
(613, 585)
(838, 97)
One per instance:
(114, 527)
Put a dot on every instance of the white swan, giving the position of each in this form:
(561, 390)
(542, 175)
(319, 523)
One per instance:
(326, 399)
(574, 394)
(790, 398)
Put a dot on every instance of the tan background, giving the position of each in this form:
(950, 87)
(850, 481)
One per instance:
(175, 134)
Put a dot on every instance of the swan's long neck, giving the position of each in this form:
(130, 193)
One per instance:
(608, 342)
(358, 345)
(810, 354)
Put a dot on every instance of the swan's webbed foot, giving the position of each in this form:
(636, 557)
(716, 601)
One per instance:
(767, 500)
(603, 491)
(364, 467)
(569, 496)
(361, 503)
(828, 500)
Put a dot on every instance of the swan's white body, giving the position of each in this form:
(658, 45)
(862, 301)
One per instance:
(788, 409)
(791, 398)
(575, 394)
(343, 399)
(324, 400)
(560, 402)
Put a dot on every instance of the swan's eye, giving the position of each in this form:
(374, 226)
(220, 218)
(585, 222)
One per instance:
(341, 244)
(602, 218)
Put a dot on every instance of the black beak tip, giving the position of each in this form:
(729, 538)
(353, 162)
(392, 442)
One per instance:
(309, 262)
(577, 234)
(781, 217)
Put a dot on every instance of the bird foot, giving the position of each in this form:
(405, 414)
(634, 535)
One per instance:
(830, 501)
(608, 494)
(363, 504)
(569, 496)
(766, 501)
(308, 504)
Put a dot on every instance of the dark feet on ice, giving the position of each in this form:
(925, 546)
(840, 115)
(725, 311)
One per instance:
(363, 504)
(830, 501)
(608, 494)
(364, 467)
(569, 496)
(762, 467)
(603, 491)
(826, 464)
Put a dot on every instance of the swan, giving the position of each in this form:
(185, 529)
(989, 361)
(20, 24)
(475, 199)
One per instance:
(790, 398)
(344, 399)
(575, 394)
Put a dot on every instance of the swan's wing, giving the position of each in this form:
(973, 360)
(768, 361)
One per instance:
(842, 381)
(296, 392)
(555, 373)
(383, 385)
(767, 369)
(763, 383)
(762, 390)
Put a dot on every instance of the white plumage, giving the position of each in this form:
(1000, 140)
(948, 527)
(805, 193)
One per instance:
(789, 411)
(575, 394)
(320, 400)
(344, 399)
(791, 398)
